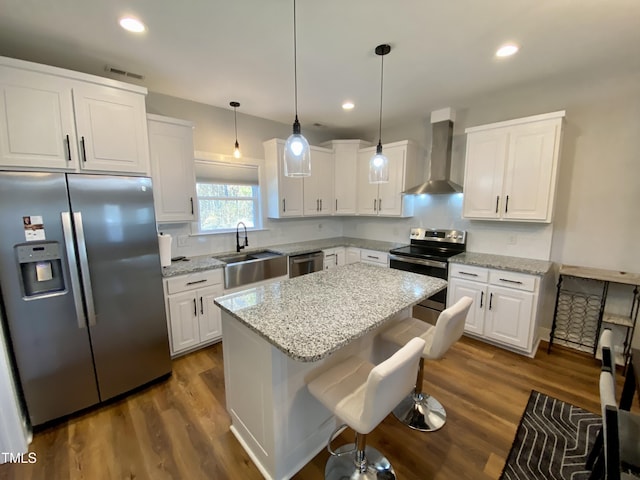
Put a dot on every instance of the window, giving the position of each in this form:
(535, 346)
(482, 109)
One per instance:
(222, 206)
(228, 193)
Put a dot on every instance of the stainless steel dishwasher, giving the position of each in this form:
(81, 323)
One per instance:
(306, 263)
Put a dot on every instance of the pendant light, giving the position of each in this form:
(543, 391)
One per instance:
(236, 148)
(297, 155)
(379, 164)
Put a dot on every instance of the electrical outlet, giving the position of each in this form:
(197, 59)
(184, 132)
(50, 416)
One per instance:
(183, 240)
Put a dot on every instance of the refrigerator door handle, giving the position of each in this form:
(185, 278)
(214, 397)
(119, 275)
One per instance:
(73, 271)
(84, 267)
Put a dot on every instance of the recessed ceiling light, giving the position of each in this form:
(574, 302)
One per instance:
(507, 50)
(348, 105)
(132, 24)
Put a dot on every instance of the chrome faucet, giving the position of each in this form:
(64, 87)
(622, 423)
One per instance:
(246, 240)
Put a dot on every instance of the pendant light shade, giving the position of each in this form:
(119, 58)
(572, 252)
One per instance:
(236, 148)
(297, 154)
(379, 164)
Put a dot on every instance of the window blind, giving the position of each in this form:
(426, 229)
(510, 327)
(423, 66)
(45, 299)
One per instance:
(226, 173)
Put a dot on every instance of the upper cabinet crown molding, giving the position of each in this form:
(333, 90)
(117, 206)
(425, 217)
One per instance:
(71, 75)
(511, 169)
(58, 120)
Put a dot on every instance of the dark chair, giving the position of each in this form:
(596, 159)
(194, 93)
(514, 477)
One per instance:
(608, 365)
(621, 436)
(617, 445)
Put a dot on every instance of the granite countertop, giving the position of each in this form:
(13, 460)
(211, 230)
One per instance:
(192, 265)
(209, 262)
(502, 262)
(312, 316)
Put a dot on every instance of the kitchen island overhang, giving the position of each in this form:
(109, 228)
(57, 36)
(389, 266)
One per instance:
(278, 337)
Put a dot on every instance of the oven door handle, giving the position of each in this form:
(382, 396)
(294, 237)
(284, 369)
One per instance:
(418, 261)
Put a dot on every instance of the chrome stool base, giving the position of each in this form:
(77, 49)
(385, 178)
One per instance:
(345, 467)
(421, 412)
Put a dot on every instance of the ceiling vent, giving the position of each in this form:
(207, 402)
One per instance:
(124, 73)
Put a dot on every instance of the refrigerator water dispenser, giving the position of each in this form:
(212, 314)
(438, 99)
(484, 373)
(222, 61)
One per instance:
(40, 268)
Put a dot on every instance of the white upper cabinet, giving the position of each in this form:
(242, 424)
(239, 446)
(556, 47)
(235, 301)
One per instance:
(111, 128)
(511, 169)
(52, 118)
(36, 123)
(386, 199)
(318, 188)
(345, 154)
(284, 194)
(339, 181)
(172, 168)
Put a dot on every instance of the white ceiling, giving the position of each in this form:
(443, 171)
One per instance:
(214, 51)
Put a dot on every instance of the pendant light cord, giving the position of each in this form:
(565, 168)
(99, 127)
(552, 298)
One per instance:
(235, 122)
(381, 83)
(295, 60)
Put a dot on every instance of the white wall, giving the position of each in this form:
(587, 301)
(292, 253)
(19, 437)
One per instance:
(214, 135)
(596, 221)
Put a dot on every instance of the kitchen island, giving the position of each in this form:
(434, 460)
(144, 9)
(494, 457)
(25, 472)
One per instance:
(278, 337)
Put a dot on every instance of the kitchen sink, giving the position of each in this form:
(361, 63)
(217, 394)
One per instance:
(246, 268)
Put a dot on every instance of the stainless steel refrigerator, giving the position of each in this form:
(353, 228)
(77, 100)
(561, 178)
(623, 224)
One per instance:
(81, 287)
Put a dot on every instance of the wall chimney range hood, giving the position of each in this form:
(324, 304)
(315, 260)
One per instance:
(438, 181)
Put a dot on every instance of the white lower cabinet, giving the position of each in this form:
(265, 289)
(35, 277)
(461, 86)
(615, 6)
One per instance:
(373, 257)
(505, 305)
(352, 255)
(334, 257)
(193, 318)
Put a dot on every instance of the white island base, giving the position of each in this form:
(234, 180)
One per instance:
(274, 417)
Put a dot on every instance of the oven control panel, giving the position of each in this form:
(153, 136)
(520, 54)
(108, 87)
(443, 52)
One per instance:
(449, 236)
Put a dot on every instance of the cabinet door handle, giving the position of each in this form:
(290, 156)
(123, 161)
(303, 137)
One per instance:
(506, 205)
(191, 200)
(84, 151)
(497, 202)
(336, 204)
(374, 205)
(320, 204)
(510, 281)
(468, 274)
(490, 300)
(197, 281)
(379, 204)
(201, 306)
(317, 204)
(371, 256)
(195, 308)
(68, 149)
(284, 204)
(481, 298)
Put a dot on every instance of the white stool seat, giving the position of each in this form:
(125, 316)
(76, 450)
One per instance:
(419, 410)
(362, 395)
(409, 328)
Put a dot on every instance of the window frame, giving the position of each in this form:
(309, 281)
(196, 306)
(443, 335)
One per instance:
(255, 198)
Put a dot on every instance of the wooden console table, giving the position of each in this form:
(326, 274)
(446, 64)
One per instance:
(580, 308)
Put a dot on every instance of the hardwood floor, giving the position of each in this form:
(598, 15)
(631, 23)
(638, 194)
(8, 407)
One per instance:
(179, 429)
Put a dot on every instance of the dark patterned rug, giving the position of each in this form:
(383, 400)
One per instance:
(552, 441)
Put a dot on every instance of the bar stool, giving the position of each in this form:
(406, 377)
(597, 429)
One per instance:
(419, 410)
(362, 395)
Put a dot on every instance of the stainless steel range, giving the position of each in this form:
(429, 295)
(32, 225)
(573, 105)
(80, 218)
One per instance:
(428, 254)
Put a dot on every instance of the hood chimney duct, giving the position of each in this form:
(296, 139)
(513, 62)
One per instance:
(438, 181)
